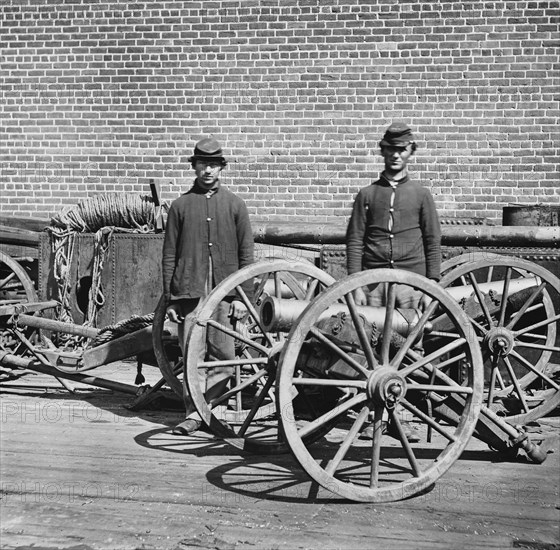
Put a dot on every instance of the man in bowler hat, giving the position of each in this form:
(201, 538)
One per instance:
(207, 238)
(394, 224)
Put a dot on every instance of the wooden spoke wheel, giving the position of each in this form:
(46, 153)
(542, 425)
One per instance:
(244, 412)
(461, 259)
(386, 385)
(16, 287)
(514, 306)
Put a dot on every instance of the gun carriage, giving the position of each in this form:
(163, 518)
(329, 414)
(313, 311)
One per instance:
(312, 368)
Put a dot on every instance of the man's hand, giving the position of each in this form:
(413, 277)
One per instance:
(425, 301)
(237, 310)
(360, 297)
(174, 313)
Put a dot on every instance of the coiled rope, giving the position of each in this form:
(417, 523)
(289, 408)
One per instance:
(102, 215)
(111, 332)
(132, 212)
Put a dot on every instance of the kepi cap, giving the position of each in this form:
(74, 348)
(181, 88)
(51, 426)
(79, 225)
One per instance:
(398, 135)
(207, 149)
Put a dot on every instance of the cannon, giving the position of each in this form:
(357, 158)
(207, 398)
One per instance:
(313, 369)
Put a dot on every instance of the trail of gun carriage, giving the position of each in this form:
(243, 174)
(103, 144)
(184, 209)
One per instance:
(92, 380)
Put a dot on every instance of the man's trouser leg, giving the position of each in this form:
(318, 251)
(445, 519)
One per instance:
(221, 347)
(187, 307)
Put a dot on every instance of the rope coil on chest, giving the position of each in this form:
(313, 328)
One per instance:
(102, 215)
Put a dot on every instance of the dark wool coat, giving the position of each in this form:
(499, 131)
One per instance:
(200, 225)
(413, 243)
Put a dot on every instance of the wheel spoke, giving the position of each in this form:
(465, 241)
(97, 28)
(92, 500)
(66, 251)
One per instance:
(532, 368)
(427, 419)
(440, 389)
(406, 445)
(178, 367)
(238, 388)
(277, 285)
(523, 309)
(413, 335)
(440, 334)
(262, 284)
(483, 330)
(493, 374)
(422, 361)
(348, 440)
(364, 340)
(437, 321)
(237, 335)
(256, 405)
(292, 283)
(237, 362)
(525, 330)
(451, 361)
(311, 288)
(480, 299)
(533, 336)
(329, 416)
(5, 281)
(505, 292)
(376, 447)
(521, 344)
(337, 383)
(341, 353)
(253, 312)
(388, 326)
(487, 356)
(518, 389)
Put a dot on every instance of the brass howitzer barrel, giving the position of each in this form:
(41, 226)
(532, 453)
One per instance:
(279, 314)
(515, 285)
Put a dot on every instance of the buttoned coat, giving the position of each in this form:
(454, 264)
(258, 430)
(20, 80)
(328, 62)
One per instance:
(201, 225)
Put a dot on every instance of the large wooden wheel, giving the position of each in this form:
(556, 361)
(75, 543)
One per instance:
(245, 413)
(514, 306)
(380, 374)
(16, 287)
(460, 259)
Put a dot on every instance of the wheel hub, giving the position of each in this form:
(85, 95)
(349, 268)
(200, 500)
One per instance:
(499, 340)
(385, 386)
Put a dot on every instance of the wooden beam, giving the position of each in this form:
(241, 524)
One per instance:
(126, 346)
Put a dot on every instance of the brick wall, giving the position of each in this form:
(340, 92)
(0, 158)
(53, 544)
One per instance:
(99, 96)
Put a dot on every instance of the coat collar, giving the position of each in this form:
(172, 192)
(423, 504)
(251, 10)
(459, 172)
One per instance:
(386, 182)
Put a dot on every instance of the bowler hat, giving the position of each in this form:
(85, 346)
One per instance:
(207, 149)
(398, 135)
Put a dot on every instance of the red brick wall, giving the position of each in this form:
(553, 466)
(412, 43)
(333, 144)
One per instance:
(99, 96)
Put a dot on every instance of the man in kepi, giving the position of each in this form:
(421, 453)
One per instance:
(208, 237)
(394, 224)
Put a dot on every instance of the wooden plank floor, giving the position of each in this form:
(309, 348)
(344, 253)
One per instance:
(81, 471)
